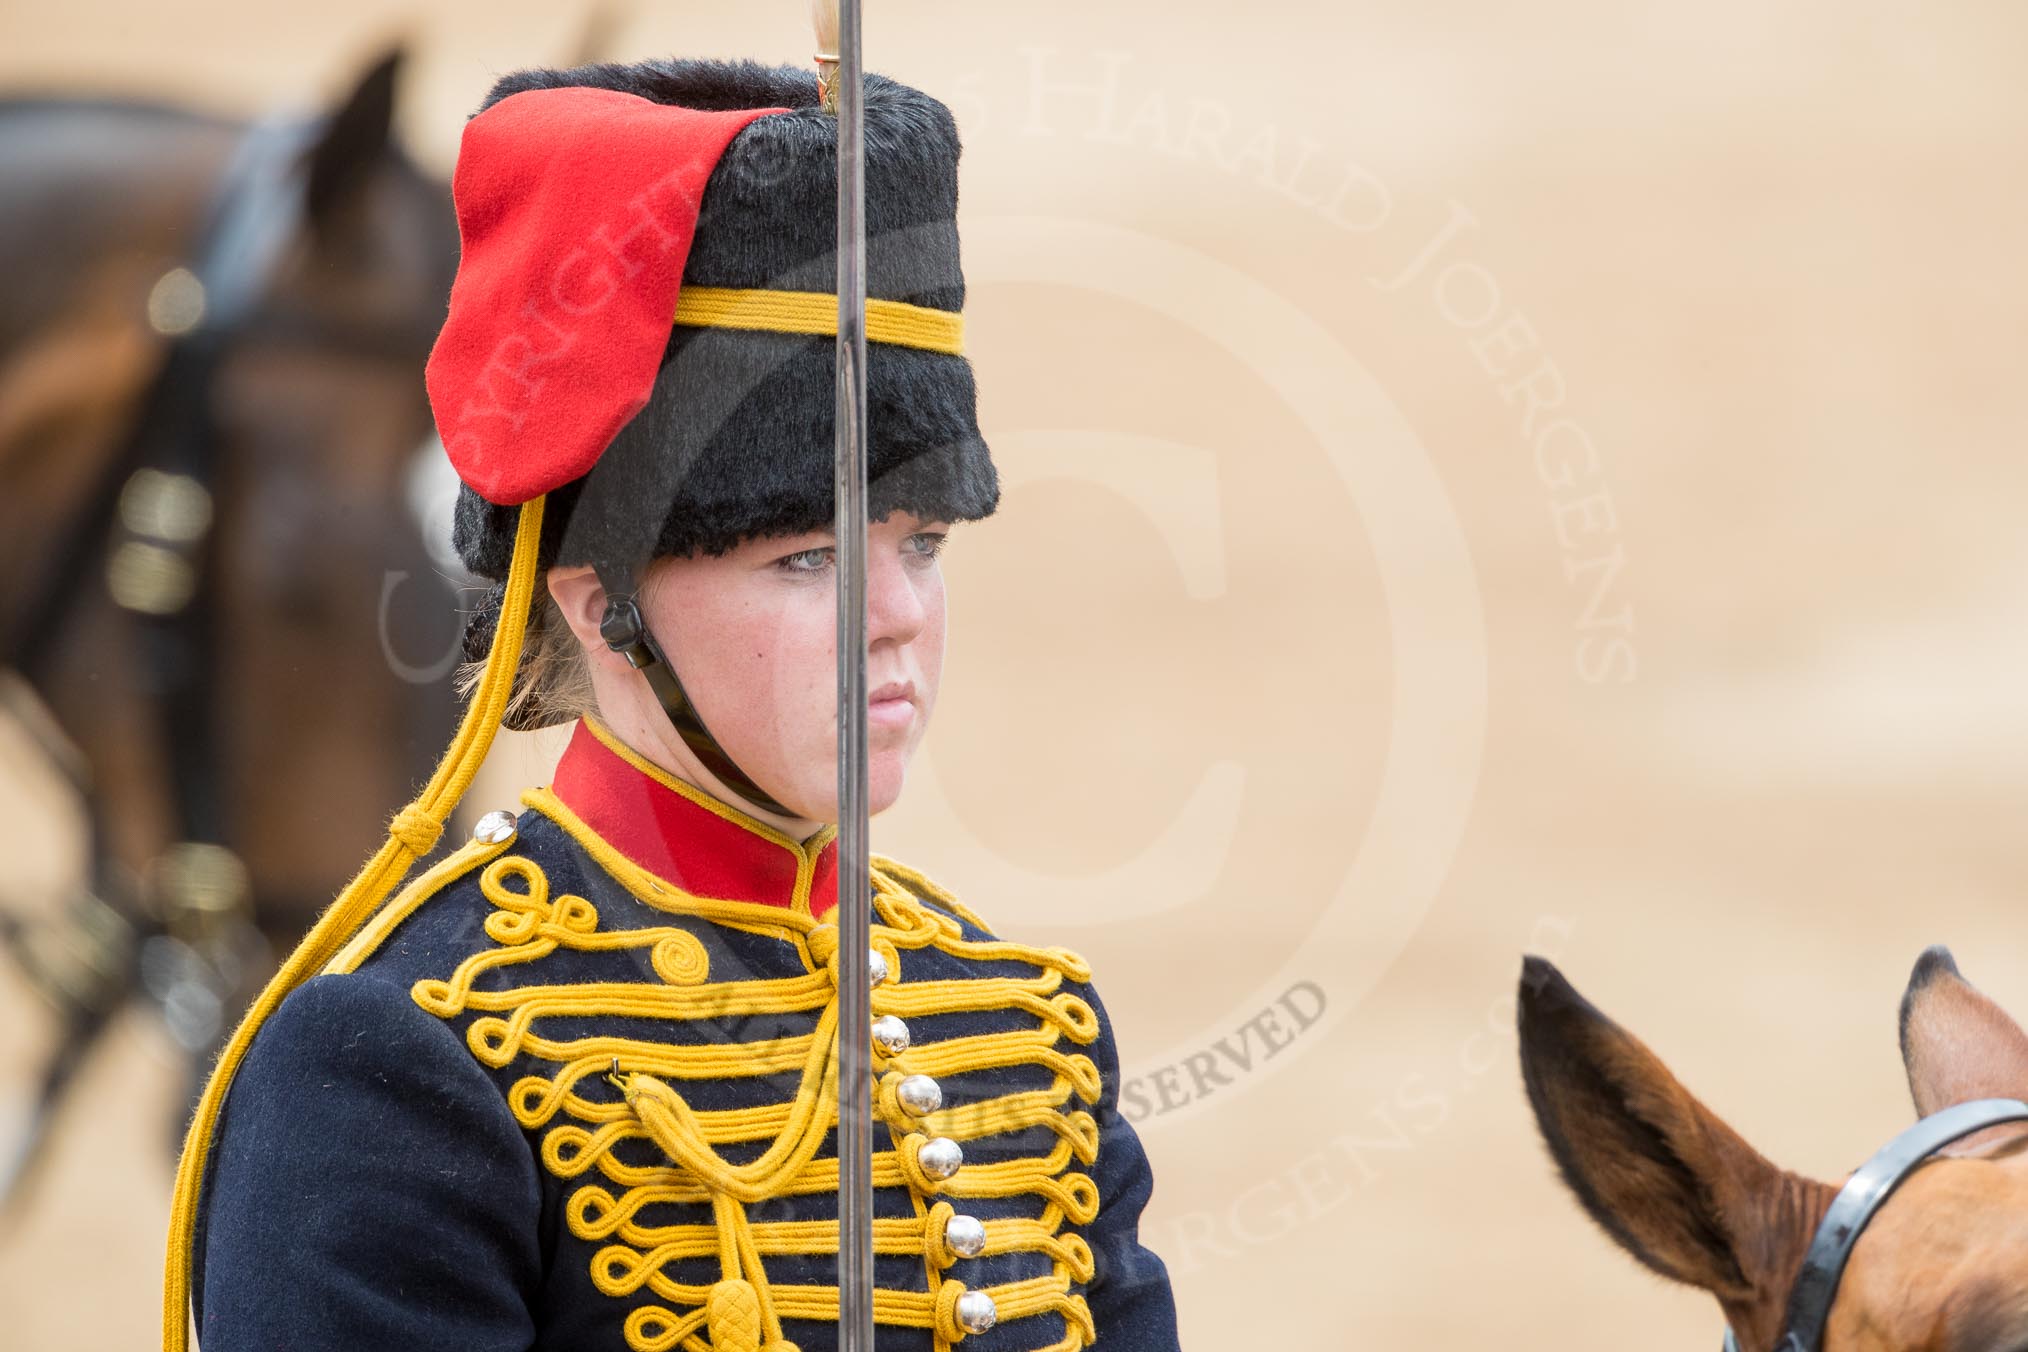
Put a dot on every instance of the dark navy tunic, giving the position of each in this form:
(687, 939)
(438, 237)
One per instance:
(573, 1089)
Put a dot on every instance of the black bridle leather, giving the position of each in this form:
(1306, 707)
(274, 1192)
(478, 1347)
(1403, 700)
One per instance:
(1809, 1308)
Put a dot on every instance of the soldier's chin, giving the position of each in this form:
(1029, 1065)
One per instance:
(886, 773)
(816, 795)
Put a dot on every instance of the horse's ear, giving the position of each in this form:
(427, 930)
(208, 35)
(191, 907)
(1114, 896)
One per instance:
(597, 38)
(1956, 1044)
(1669, 1181)
(355, 138)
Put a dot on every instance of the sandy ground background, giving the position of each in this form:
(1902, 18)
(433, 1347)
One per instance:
(1481, 479)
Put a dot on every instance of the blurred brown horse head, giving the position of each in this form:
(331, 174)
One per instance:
(220, 616)
(1941, 1267)
(327, 628)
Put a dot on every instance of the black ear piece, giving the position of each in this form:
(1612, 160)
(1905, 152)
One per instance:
(622, 630)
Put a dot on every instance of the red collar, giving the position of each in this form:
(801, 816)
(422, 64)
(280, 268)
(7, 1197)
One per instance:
(686, 837)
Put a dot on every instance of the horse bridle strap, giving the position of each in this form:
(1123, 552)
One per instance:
(1809, 1308)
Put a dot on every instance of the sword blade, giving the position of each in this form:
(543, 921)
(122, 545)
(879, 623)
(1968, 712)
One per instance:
(855, 1048)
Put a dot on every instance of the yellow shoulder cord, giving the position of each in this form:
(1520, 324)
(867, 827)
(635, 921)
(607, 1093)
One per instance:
(411, 834)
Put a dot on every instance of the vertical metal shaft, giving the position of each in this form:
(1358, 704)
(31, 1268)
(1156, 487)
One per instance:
(855, 1047)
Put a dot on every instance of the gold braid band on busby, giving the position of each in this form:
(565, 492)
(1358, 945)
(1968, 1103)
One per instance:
(414, 830)
(887, 321)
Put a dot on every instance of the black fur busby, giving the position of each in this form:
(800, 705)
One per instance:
(737, 437)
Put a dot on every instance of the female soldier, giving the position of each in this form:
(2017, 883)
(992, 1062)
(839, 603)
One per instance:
(574, 1087)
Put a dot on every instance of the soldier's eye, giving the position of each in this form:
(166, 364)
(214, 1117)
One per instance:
(806, 561)
(927, 544)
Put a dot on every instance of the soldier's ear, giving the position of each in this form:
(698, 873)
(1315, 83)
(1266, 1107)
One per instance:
(1956, 1044)
(582, 600)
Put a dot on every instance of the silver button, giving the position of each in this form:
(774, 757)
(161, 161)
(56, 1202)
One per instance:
(941, 1157)
(494, 828)
(965, 1235)
(976, 1312)
(890, 1035)
(920, 1095)
(876, 966)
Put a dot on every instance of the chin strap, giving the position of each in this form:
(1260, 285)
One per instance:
(626, 633)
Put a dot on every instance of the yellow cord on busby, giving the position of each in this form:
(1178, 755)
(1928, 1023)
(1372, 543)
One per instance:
(410, 835)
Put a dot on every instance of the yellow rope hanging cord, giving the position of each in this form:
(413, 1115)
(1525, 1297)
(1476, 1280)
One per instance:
(411, 834)
(887, 321)
(739, 1309)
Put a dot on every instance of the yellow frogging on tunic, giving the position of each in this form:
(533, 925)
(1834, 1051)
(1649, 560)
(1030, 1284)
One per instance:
(414, 830)
(743, 1310)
